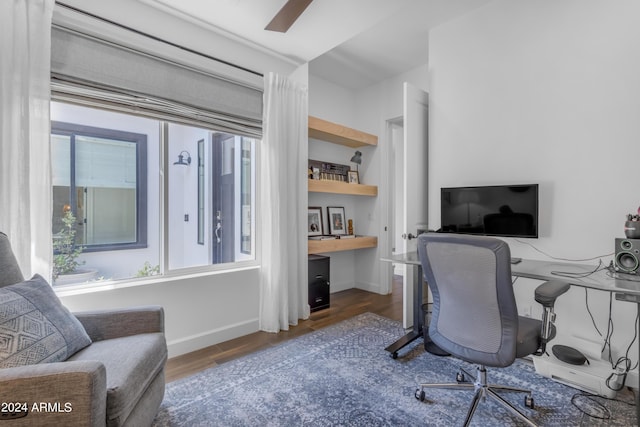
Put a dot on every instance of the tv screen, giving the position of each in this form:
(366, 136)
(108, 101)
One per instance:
(498, 210)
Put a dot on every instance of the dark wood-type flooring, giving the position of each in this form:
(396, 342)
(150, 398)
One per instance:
(344, 305)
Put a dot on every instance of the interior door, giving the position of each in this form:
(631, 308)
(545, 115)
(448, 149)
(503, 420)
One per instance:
(415, 183)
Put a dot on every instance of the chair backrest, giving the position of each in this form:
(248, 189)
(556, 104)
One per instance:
(9, 269)
(474, 315)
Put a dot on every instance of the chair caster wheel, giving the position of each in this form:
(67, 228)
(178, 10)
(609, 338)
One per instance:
(420, 395)
(394, 355)
(460, 377)
(528, 402)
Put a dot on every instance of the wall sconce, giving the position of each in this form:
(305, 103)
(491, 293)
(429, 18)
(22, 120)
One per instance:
(357, 159)
(181, 158)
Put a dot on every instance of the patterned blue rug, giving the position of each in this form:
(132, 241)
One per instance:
(342, 376)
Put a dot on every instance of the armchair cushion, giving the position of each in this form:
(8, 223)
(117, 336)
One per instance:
(35, 327)
(132, 363)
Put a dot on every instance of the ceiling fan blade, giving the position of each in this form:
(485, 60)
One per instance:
(285, 18)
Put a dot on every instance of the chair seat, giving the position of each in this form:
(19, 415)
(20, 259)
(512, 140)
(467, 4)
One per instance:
(528, 336)
(131, 363)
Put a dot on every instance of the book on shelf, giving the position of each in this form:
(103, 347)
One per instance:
(347, 236)
(323, 237)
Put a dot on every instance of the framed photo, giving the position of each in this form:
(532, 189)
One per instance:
(353, 177)
(337, 224)
(314, 224)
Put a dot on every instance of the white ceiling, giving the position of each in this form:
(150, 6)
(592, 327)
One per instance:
(354, 43)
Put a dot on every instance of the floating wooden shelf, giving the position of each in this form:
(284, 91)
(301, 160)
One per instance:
(336, 245)
(337, 187)
(338, 134)
(348, 137)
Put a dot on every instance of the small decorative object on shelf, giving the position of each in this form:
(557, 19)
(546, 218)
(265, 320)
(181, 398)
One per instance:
(328, 171)
(350, 227)
(357, 159)
(353, 177)
(314, 224)
(323, 237)
(336, 220)
(632, 226)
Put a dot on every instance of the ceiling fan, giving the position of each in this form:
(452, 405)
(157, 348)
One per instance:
(285, 18)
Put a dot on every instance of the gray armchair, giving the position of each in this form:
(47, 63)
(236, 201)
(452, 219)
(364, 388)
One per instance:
(475, 317)
(117, 380)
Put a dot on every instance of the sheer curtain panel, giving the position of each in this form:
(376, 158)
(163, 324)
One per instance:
(25, 189)
(283, 203)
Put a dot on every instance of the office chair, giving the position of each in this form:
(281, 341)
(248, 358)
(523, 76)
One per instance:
(474, 315)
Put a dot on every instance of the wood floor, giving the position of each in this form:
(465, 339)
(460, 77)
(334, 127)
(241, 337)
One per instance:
(344, 305)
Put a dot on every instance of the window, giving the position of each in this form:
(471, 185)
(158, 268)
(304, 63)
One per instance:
(184, 203)
(100, 175)
(108, 171)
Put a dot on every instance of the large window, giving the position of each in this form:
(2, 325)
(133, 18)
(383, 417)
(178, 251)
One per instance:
(153, 154)
(149, 196)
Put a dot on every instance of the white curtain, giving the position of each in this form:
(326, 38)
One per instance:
(283, 205)
(25, 189)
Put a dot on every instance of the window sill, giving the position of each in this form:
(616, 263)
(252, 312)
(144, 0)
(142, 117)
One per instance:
(110, 285)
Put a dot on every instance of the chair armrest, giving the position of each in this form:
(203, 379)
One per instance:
(547, 293)
(61, 393)
(108, 324)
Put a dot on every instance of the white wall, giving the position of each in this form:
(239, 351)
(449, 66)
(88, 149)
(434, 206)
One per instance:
(200, 310)
(183, 198)
(545, 92)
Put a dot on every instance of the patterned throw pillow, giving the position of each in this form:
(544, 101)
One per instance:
(35, 327)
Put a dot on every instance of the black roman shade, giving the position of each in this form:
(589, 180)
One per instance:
(91, 71)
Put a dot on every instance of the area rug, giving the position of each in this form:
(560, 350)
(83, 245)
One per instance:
(342, 376)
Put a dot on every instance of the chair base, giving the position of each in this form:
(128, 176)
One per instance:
(482, 390)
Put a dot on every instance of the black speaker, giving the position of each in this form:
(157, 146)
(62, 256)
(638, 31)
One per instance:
(627, 256)
(319, 296)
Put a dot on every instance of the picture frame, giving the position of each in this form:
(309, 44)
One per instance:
(314, 221)
(336, 220)
(354, 177)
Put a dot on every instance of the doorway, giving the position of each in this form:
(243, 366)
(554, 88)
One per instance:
(408, 187)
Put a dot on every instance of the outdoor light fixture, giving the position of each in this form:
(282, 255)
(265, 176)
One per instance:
(357, 159)
(181, 158)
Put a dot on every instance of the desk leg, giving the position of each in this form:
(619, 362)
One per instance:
(416, 331)
(418, 320)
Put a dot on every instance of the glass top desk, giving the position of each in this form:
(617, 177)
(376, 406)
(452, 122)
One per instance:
(625, 287)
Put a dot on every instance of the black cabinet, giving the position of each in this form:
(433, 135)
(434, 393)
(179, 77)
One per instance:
(318, 282)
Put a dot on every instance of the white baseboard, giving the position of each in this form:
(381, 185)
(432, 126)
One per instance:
(370, 287)
(205, 339)
(337, 287)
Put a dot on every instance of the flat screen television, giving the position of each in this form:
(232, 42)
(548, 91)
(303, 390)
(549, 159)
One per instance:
(497, 210)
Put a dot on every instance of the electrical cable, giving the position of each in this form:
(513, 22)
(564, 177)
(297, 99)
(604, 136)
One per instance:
(586, 302)
(607, 338)
(590, 400)
(562, 259)
(604, 414)
(579, 275)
